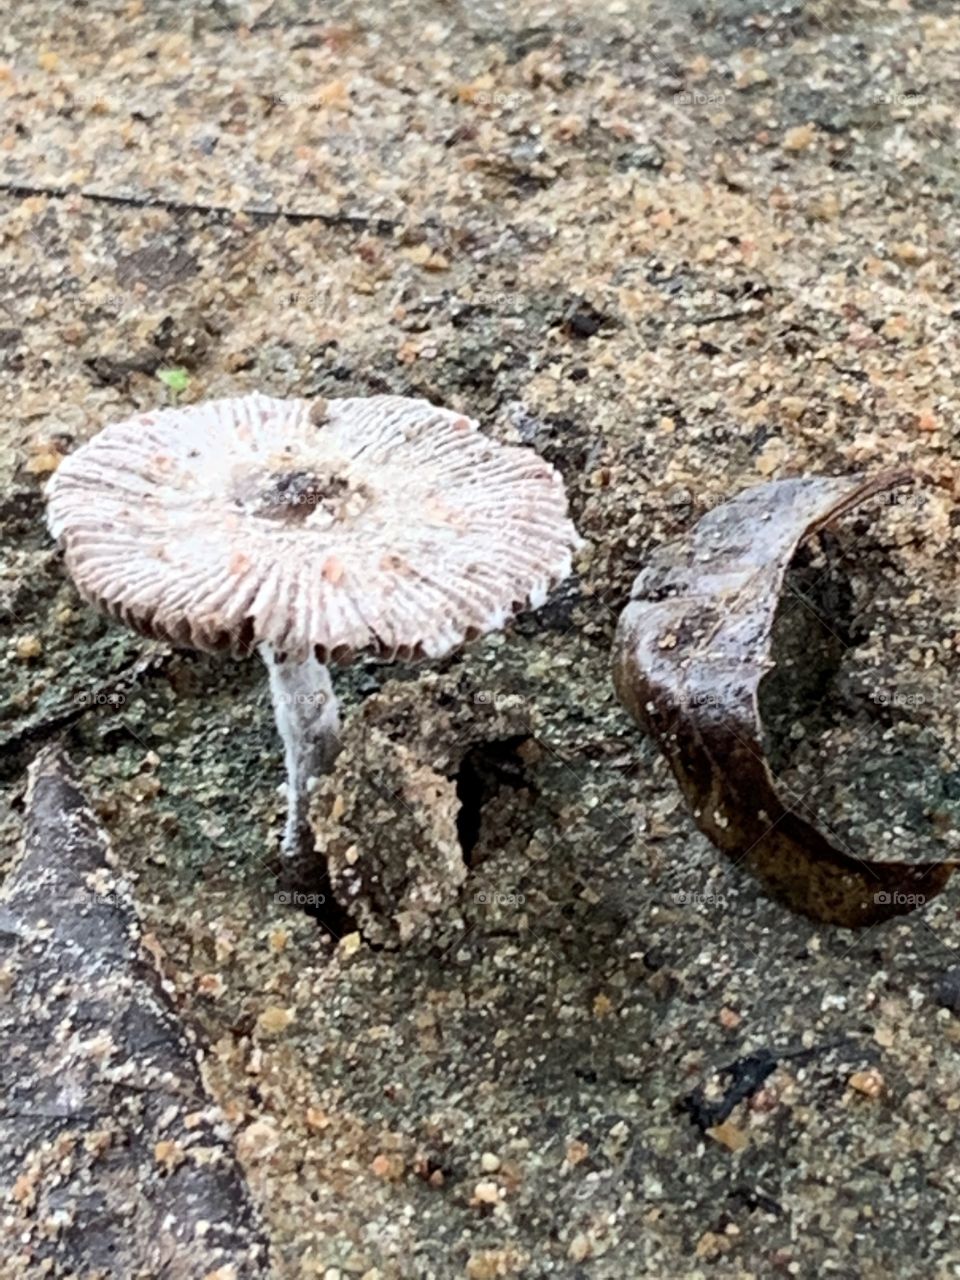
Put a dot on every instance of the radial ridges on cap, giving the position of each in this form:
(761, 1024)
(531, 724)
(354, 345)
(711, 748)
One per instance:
(389, 526)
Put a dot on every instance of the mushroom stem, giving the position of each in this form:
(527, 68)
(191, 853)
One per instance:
(305, 709)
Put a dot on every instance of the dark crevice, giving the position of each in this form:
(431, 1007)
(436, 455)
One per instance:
(355, 222)
(483, 771)
(304, 885)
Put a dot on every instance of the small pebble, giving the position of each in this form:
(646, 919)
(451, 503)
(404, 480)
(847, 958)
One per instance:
(870, 1083)
(800, 138)
(580, 1247)
(28, 647)
(274, 1019)
(486, 1192)
(577, 1152)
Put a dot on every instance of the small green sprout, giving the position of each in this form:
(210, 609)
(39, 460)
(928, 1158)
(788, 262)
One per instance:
(175, 380)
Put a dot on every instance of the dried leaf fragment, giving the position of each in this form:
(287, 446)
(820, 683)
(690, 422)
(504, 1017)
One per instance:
(717, 591)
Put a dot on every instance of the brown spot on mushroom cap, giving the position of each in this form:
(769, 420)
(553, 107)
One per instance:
(396, 528)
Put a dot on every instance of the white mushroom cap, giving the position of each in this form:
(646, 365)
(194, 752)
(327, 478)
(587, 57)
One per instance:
(392, 527)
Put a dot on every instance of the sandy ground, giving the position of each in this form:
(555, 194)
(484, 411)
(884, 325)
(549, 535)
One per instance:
(677, 249)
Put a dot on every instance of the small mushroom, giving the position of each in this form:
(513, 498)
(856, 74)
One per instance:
(382, 526)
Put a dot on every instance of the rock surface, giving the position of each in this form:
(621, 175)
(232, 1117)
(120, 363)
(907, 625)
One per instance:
(677, 248)
(113, 1158)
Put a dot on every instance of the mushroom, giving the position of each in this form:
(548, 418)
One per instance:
(313, 532)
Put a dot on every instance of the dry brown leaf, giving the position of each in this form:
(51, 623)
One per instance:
(717, 590)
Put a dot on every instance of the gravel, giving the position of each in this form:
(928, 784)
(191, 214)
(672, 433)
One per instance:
(679, 249)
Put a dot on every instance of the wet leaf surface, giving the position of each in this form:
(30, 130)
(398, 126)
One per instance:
(692, 648)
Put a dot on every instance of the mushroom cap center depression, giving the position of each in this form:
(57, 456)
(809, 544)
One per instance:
(291, 493)
(394, 527)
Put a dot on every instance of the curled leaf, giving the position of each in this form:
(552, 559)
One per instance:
(692, 647)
